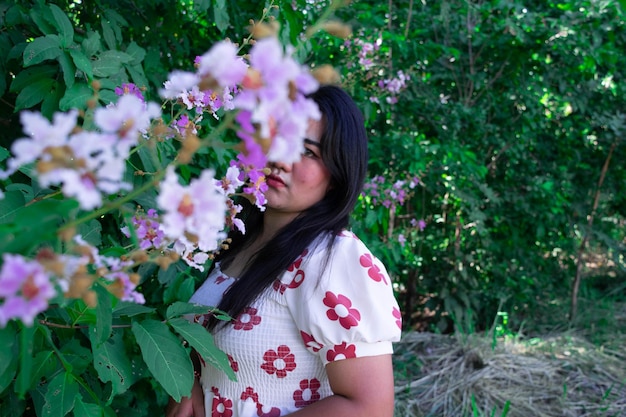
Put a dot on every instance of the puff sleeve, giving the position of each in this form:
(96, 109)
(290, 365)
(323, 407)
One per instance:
(343, 308)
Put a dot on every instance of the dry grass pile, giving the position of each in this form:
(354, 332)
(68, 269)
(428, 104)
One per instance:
(560, 376)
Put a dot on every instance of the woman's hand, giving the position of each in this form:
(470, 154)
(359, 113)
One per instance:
(188, 406)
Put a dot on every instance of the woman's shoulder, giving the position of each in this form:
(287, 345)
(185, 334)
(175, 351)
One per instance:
(346, 251)
(344, 240)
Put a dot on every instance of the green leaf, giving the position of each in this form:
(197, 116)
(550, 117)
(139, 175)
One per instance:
(32, 74)
(10, 204)
(76, 97)
(165, 356)
(39, 15)
(42, 49)
(220, 15)
(112, 364)
(128, 309)
(63, 24)
(91, 232)
(137, 75)
(181, 289)
(82, 63)
(180, 308)
(45, 211)
(33, 94)
(108, 63)
(149, 158)
(44, 364)
(109, 36)
(22, 382)
(107, 96)
(83, 409)
(202, 341)
(8, 353)
(104, 314)
(3, 82)
(60, 396)
(91, 45)
(68, 68)
(50, 103)
(4, 153)
(136, 52)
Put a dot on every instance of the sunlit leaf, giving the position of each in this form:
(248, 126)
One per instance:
(165, 356)
(60, 395)
(42, 49)
(202, 341)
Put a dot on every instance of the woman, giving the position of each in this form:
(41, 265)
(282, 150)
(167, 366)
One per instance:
(315, 315)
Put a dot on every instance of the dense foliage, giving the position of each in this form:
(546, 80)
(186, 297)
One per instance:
(496, 145)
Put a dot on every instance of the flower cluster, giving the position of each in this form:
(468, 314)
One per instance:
(86, 164)
(393, 86)
(392, 195)
(28, 286)
(366, 51)
(372, 61)
(389, 195)
(267, 92)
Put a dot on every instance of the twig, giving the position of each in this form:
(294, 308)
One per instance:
(581, 250)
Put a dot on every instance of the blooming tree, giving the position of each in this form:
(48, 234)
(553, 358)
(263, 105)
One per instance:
(64, 295)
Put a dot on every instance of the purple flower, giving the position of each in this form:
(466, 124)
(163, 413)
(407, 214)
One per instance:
(177, 83)
(25, 288)
(147, 229)
(256, 187)
(223, 64)
(128, 118)
(129, 88)
(193, 214)
(43, 136)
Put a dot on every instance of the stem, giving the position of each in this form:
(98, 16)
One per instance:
(68, 366)
(408, 20)
(208, 141)
(115, 204)
(581, 249)
(77, 326)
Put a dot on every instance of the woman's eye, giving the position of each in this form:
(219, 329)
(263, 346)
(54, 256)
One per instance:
(308, 152)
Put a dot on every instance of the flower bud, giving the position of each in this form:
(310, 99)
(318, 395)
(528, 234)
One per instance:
(326, 74)
(336, 28)
(264, 30)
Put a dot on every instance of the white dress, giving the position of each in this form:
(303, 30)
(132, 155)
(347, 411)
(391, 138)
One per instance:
(279, 345)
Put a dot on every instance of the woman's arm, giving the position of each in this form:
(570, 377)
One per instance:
(362, 387)
(192, 406)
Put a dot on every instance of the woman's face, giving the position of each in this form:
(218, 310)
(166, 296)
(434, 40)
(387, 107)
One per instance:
(292, 188)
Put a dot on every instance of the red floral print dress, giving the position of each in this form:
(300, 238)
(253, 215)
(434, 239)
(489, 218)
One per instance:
(317, 312)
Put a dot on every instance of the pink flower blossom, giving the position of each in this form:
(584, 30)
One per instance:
(148, 231)
(128, 119)
(89, 168)
(177, 83)
(196, 210)
(25, 288)
(42, 135)
(273, 92)
(223, 64)
(129, 88)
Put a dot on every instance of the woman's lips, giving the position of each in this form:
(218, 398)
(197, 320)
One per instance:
(274, 181)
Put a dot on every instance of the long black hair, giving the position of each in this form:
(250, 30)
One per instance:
(344, 153)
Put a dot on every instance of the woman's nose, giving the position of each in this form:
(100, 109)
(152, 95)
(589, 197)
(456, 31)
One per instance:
(280, 166)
